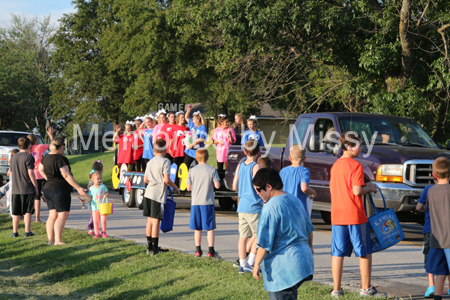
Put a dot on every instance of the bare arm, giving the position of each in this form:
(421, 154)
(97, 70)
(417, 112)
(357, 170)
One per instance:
(217, 185)
(170, 183)
(70, 180)
(419, 207)
(188, 112)
(236, 179)
(260, 254)
(41, 170)
(360, 190)
(146, 179)
(310, 242)
(307, 190)
(189, 187)
(255, 169)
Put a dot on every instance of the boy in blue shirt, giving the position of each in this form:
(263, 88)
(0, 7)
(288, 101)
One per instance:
(250, 204)
(296, 177)
(284, 239)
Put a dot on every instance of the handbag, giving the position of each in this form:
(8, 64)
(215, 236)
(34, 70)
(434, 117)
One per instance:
(105, 208)
(385, 229)
(169, 214)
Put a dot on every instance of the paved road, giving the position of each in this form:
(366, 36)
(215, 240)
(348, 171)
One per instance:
(398, 270)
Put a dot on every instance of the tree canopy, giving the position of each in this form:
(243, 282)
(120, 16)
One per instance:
(118, 58)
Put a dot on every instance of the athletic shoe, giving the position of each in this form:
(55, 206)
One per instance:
(149, 250)
(160, 250)
(372, 292)
(104, 235)
(241, 270)
(430, 292)
(248, 268)
(337, 294)
(91, 232)
(198, 254)
(14, 235)
(214, 255)
(96, 236)
(236, 264)
(27, 234)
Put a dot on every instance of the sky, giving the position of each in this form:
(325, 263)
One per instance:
(40, 8)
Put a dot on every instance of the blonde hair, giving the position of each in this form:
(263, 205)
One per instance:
(56, 144)
(297, 153)
(202, 155)
(240, 117)
(178, 117)
(441, 167)
(200, 116)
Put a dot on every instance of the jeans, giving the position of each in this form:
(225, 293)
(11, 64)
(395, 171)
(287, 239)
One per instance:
(289, 293)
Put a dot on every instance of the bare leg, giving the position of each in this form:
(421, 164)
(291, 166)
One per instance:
(15, 222)
(365, 266)
(155, 227)
(96, 217)
(148, 228)
(59, 227)
(198, 237)
(37, 208)
(242, 247)
(431, 280)
(337, 265)
(253, 243)
(210, 236)
(27, 222)
(249, 245)
(50, 225)
(103, 218)
(439, 284)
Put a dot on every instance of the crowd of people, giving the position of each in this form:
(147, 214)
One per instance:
(275, 230)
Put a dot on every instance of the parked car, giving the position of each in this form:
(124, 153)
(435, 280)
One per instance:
(400, 165)
(8, 141)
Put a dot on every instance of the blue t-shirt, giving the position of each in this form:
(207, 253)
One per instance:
(423, 200)
(249, 201)
(97, 195)
(148, 146)
(254, 136)
(292, 178)
(200, 131)
(283, 231)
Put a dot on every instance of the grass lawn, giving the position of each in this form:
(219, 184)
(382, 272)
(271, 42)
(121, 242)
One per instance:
(116, 269)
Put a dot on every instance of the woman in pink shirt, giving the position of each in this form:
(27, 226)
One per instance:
(162, 120)
(38, 152)
(223, 137)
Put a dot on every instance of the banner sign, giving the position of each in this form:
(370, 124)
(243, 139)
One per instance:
(171, 106)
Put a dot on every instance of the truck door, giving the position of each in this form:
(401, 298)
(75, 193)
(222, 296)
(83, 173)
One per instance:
(320, 157)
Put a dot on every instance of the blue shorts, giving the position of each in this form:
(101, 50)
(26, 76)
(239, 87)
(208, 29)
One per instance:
(346, 238)
(438, 261)
(203, 217)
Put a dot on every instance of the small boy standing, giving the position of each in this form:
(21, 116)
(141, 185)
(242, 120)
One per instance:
(250, 205)
(296, 178)
(157, 177)
(201, 180)
(438, 204)
(350, 228)
(24, 187)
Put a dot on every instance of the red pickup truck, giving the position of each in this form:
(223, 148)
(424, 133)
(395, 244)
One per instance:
(396, 155)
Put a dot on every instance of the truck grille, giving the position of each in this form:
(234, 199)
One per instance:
(418, 173)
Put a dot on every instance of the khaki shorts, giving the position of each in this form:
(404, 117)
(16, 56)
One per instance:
(248, 224)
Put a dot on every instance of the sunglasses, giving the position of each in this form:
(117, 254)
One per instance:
(387, 132)
(259, 189)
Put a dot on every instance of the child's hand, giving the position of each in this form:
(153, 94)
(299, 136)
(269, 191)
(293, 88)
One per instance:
(118, 128)
(256, 269)
(372, 187)
(135, 147)
(178, 192)
(314, 194)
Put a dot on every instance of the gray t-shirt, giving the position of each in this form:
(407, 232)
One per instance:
(21, 162)
(201, 177)
(438, 204)
(157, 167)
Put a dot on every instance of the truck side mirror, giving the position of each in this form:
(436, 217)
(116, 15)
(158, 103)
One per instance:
(314, 143)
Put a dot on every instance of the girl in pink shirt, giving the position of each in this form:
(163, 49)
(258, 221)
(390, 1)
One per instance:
(162, 120)
(223, 137)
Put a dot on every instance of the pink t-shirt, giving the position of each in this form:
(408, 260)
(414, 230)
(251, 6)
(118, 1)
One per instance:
(37, 151)
(156, 130)
(222, 135)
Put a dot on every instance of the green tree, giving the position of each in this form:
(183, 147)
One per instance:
(25, 76)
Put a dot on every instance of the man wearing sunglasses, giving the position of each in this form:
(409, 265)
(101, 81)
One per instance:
(283, 237)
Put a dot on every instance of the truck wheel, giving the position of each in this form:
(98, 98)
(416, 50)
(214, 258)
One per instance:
(128, 197)
(326, 217)
(226, 203)
(139, 196)
(369, 208)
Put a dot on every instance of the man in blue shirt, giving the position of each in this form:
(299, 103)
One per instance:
(284, 231)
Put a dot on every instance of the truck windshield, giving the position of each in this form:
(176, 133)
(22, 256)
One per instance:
(11, 139)
(388, 131)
